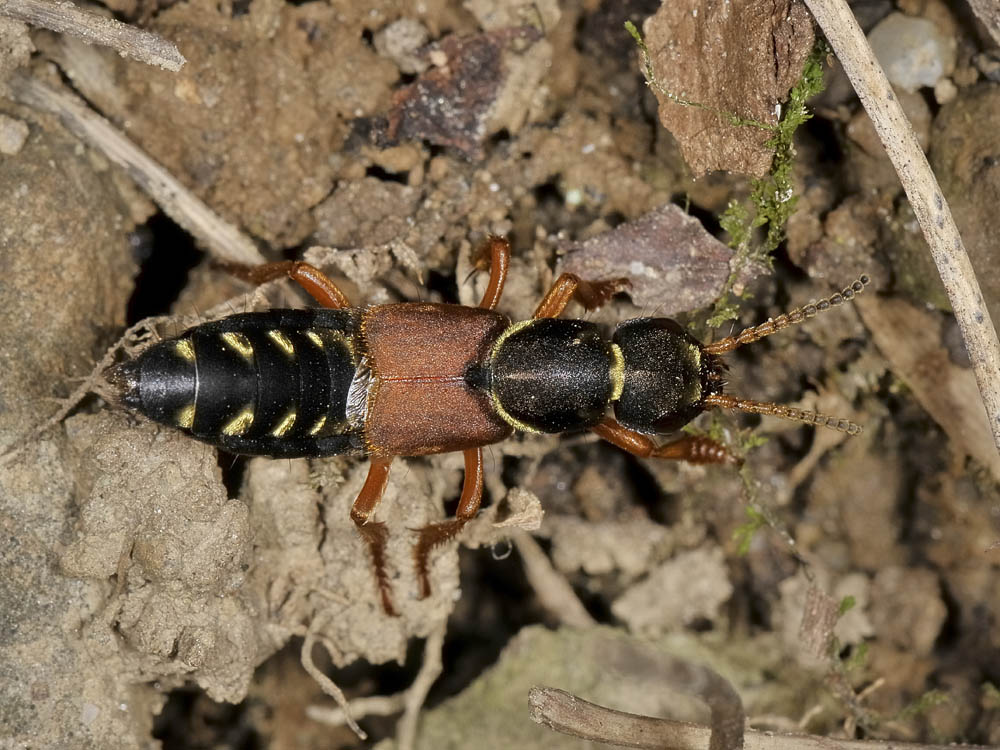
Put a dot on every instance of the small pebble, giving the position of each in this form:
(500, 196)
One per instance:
(13, 134)
(401, 41)
(988, 64)
(913, 52)
(945, 91)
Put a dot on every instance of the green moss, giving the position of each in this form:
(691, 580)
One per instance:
(744, 534)
(922, 704)
(846, 605)
(990, 696)
(858, 658)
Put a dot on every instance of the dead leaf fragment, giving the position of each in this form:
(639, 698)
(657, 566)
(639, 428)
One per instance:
(735, 58)
(456, 103)
(947, 391)
(673, 263)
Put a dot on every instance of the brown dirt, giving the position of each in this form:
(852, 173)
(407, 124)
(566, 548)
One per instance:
(145, 577)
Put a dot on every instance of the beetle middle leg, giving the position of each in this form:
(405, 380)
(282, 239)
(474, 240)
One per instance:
(375, 533)
(591, 294)
(310, 278)
(694, 449)
(432, 535)
(493, 254)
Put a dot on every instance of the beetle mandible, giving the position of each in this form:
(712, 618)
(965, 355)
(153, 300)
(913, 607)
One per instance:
(412, 379)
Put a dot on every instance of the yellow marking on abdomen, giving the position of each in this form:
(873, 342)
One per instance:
(240, 423)
(240, 343)
(284, 425)
(282, 342)
(184, 349)
(315, 338)
(185, 417)
(318, 426)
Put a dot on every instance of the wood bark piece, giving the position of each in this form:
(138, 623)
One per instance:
(674, 265)
(717, 59)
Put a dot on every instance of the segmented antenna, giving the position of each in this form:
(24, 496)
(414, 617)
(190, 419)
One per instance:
(724, 401)
(799, 314)
(773, 325)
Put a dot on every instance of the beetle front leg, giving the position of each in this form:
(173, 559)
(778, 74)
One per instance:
(691, 448)
(374, 533)
(310, 278)
(433, 534)
(590, 294)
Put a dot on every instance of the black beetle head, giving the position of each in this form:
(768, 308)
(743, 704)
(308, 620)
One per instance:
(667, 375)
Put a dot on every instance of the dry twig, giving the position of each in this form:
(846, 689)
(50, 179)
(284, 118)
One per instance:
(327, 685)
(66, 18)
(219, 237)
(848, 41)
(552, 589)
(570, 715)
(416, 694)
(410, 701)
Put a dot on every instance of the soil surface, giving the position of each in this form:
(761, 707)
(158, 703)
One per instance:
(157, 593)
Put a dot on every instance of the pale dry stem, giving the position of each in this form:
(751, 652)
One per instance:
(410, 701)
(327, 685)
(550, 586)
(869, 80)
(570, 715)
(66, 18)
(416, 694)
(220, 238)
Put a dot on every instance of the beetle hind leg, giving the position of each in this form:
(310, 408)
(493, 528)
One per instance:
(310, 278)
(435, 534)
(374, 533)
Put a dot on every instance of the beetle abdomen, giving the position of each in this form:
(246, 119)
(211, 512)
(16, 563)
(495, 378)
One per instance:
(274, 383)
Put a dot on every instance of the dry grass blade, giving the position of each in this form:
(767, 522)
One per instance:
(568, 714)
(66, 18)
(922, 189)
(219, 237)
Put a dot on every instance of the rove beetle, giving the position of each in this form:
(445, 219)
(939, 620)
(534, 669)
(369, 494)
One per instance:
(414, 379)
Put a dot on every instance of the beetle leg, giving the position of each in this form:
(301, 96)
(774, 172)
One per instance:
(433, 534)
(374, 533)
(310, 278)
(590, 294)
(691, 448)
(493, 254)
